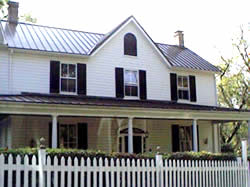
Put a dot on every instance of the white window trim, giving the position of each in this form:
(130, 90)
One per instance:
(68, 93)
(138, 90)
(183, 88)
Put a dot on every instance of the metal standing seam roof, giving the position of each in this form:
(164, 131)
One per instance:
(107, 102)
(50, 39)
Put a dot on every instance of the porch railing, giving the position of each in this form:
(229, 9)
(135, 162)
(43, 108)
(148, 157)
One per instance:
(47, 171)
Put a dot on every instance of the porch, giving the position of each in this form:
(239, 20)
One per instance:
(109, 124)
(108, 134)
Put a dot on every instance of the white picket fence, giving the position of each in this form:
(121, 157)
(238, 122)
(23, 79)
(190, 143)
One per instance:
(33, 172)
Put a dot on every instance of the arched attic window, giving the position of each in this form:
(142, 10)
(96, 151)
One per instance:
(130, 45)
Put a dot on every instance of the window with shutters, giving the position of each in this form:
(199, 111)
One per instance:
(131, 83)
(68, 136)
(68, 78)
(185, 135)
(130, 45)
(183, 87)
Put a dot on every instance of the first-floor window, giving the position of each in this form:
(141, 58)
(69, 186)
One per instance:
(68, 78)
(139, 141)
(185, 134)
(68, 136)
(183, 90)
(131, 83)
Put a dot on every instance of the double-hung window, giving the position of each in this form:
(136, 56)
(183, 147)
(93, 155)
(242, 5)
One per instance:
(131, 83)
(68, 78)
(68, 136)
(183, 88)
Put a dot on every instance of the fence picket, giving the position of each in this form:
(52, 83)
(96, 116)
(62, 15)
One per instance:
(76, 164)
(118, 173)
(88, 172)
(148, 172)
(18, 163)
(63, 166)
(49, 171)
(55, 172)
(123, 172)
(82, 175)
(100, 171)
(128, 173)
(1, 170)
(95, 172)
(112, 172)
(10, 171)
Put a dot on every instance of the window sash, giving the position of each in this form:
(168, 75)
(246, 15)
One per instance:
(183, 87)
(66, 76)
(131, 83)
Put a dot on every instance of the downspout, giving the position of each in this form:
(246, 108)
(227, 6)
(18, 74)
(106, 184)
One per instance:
(215, 92)
(10, 72)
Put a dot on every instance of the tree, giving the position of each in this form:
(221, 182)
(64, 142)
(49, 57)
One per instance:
(233, 90)
(4, 13)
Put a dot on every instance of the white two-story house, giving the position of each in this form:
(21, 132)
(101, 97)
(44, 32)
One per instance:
(119, 91)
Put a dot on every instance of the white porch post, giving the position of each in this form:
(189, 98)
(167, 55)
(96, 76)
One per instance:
(130, 135)
(54, 131)
(195, 142)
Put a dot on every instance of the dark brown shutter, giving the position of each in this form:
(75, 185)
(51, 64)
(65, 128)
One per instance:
(50, 135)
(119, 81)
(173, 85)
(82, 136)
(175, 138)
(143, 84)
(81, 79)
(192, 85)
(54, 76)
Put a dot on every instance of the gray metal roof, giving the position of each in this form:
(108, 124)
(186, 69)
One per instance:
(51, 39)
(185, 58)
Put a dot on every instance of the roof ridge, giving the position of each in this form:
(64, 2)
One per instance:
(55, 27)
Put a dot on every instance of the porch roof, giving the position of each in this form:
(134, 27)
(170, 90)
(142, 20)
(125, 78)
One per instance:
(108, 102)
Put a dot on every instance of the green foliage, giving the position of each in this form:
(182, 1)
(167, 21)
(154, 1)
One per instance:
(100, 154)
(233, 91)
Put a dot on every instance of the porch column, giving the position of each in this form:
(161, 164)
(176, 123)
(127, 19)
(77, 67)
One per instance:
(54, 131)
(130, 135)
(195, 143)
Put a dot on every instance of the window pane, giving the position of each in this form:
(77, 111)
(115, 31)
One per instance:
(185, 94)
(131, 90)
(71, 85)
(130, 77)
(185, 82)
(72, 70)
(180, 81)
(64, 70)
(64, 85)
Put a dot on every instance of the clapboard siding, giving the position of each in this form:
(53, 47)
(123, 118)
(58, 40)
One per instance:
(31, 71)
(4, 74)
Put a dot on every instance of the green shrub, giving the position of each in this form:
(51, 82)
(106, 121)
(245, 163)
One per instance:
(100, 154)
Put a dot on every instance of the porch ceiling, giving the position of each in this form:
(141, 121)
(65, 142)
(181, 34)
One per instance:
(37, 104)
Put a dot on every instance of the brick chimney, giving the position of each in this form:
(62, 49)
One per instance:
(13, 12)
(180, 38)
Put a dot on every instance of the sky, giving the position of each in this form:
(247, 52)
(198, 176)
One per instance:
(208, 26)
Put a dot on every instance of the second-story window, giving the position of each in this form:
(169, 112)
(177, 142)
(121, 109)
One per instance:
(130, 45)
(131, 83)
(68, 78)
(183, 90)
